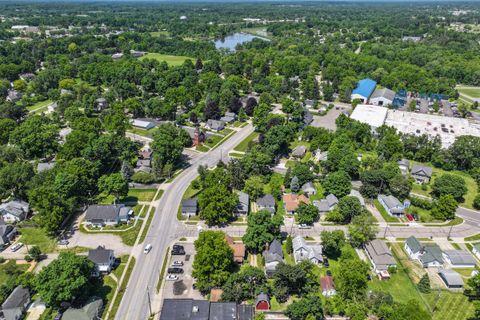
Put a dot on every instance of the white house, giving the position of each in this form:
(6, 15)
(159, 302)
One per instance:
(14, 211)
(429, 255)
(391, 204)
(103, 259)
(302, 251)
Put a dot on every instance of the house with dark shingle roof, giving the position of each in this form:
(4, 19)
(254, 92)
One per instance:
(459, 258)
(7, 234)
(299, 151)
(189, 207)
(429, 255)
(309, 188)
(421, 174)
(266, 202)
(273, 255)
(15, 305)
(92, 310)
(404, 166)
(380, 255)
(215, 125)
(243, 203)
(327, 204)
(104, 260)
(100, 215)
(451, 278)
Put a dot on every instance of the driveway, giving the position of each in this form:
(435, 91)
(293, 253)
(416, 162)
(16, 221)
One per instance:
(328, 121)
(110, 241)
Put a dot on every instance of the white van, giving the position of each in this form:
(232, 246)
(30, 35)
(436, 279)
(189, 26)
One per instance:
(147, 249)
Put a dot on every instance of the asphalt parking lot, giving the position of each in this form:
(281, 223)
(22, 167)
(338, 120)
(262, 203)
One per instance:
(182, 288)
(328, 121)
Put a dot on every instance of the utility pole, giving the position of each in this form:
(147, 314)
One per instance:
(149, 303)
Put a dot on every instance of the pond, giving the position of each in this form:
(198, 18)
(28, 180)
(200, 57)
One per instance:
(231, 41)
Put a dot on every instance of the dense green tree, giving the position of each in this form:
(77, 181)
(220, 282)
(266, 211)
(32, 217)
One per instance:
(445, 207)
(65, 279)
(217, 204)
(254, 187)
(14, 179)
(213, 261)
(424, 284)
(168, 143)
(262, 229)
(351, 278)
(6, 127)
(347, 208)
(309, 307)
(332, 243)
(337, 183)
(114, 184)
(362, 229)
(449, 184)
(244, 285)
(307, 214)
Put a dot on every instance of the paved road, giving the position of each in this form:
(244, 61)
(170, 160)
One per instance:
(164, 229)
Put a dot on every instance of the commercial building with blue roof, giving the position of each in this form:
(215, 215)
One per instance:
(364, 90)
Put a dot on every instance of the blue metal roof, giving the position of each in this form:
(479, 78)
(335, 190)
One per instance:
(365, 87)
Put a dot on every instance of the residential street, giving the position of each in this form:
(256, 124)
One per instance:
(135, 304)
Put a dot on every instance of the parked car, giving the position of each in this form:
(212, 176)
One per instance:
(16, 246)
(178, 252)
(304, 226)
(172, 277)
(326, 263)
(175, 270)
(177, 263)
(178, 247)
(147, 249)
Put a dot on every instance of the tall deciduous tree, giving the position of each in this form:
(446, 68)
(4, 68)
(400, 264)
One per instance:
(217, 204)
(261, 230)
(213, 261)
(337, 183)
(114, 184)
(362, 229)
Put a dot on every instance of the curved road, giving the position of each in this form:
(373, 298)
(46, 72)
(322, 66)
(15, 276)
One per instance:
(163, 230)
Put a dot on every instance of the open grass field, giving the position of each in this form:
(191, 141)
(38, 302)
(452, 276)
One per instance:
(38, 237)
(473, 92)
(472, 189)
(171, 60)
(449, 305)
(39, 107)
(242, 146)
(159, 33)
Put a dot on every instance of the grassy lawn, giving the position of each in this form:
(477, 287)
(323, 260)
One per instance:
(39, 106)
(159, 33)
(11, 264)
(105, 290)
(469, 181)
(38, 237)
(449, 305)
(171, 60)
(143, 132)
(242, 146)
(141, 194)
(213, 140)
(162, 272)
(191, 191)
(473, 92)
(383, 212)
(473, 238)
(236, 155)
(123, 286)
(423, 214)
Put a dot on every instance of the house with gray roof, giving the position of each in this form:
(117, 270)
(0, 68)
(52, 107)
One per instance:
(309, 188)
(382, 97)
(299, 151)
(14, 96)
(429, 255)
(104, 260)
(273, 255)
(451, 278)
(92, 310)
(42, 166)
(266, 202)
(189, 207)
(100, 215)
(229, 117)
(392, 205)
(15, 305)
(215, 125)
(14, 211)
(327, 204)
(303, 251)
(380, 255)
(7, 234)
(421, 174)
(320, 156)
(459, 258)
(243, 203)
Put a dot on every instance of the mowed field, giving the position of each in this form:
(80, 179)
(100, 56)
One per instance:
(449, 305)
(171, 60)
(473, 92)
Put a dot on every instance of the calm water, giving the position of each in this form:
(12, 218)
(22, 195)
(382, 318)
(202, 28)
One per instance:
(231, 42)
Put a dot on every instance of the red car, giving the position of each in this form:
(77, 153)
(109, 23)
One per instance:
(410, 217)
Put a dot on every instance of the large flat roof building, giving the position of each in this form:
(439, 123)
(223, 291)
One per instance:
(374, 116)
(364, 90)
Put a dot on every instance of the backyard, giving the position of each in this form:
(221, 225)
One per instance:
(37, 237)
(242, 146)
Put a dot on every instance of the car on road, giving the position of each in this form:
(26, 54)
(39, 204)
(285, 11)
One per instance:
(147, 249)
(175, 270)
(16, 247)
(172, 277)
(304, 226)
(177, 263)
